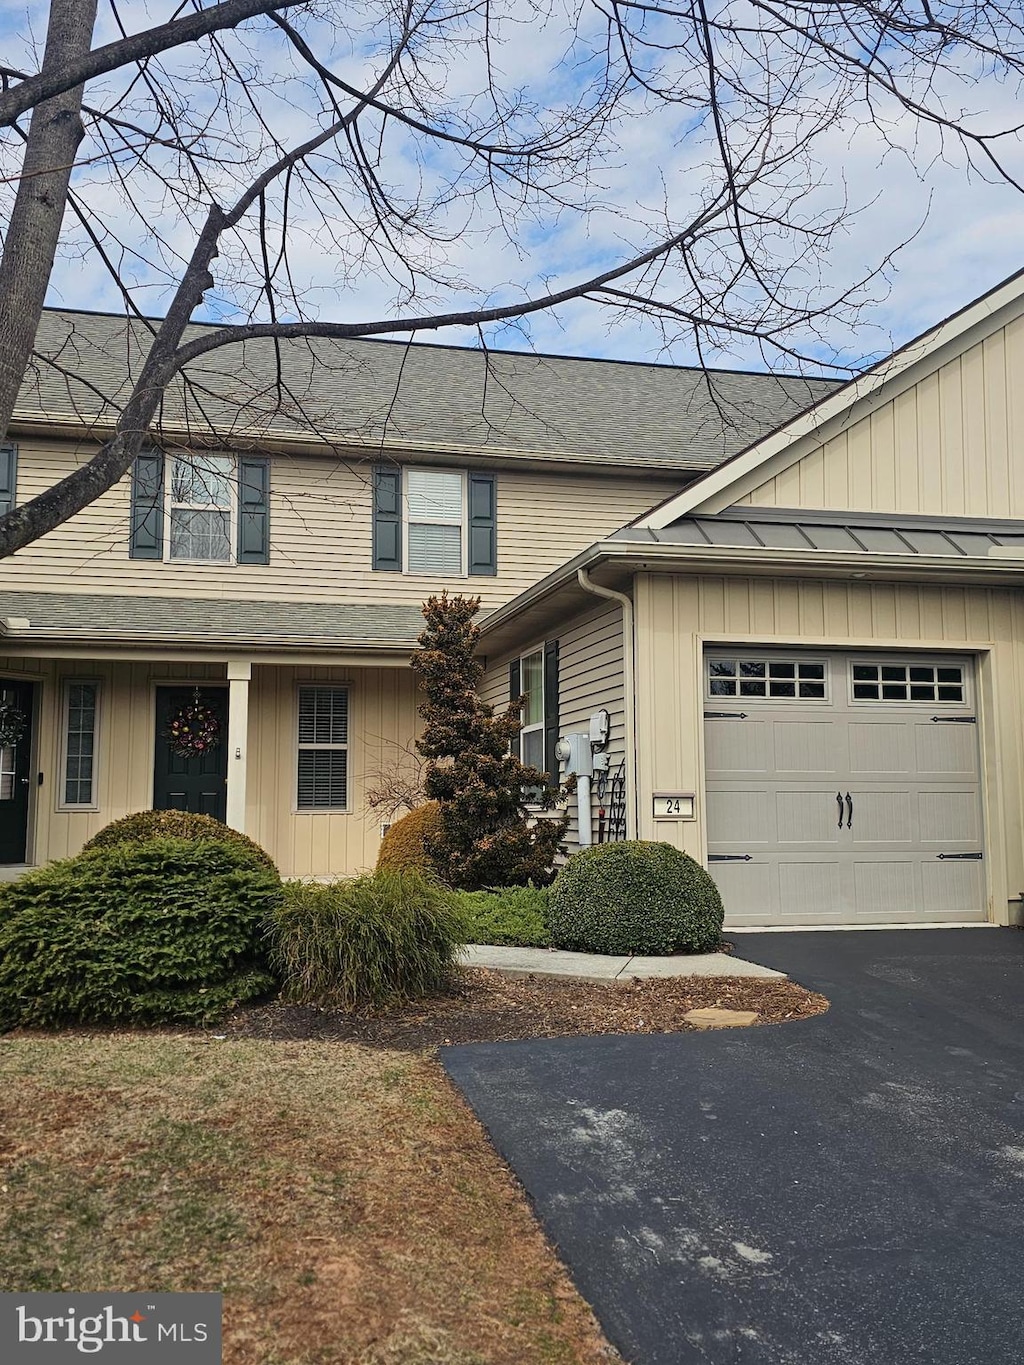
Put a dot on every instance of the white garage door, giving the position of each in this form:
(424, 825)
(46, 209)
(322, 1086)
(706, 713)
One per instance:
(843, 788)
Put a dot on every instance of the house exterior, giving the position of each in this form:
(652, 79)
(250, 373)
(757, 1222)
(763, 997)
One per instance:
(814, 658)
(267, 560)
(795, 607)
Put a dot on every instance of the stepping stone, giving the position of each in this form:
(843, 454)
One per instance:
(720, 1018)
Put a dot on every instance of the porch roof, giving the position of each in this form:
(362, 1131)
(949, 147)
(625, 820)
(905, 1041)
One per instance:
(110, 619)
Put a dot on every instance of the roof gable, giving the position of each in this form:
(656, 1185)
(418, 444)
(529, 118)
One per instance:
(906, 408)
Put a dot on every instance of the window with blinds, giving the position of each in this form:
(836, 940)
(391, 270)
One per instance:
(323, 748)
(79, 743)
(435, 516)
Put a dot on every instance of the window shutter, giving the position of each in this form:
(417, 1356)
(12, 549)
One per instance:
(483, 539)
(254, 511)
(387, 518)
(551, 712)
(515, 685)
(8, 478)
(147, 524)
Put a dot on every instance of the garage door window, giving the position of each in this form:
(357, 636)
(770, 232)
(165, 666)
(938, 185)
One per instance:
(908, 682)
(774, 678)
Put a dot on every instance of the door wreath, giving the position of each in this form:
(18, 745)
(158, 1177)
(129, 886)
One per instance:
(12, 724)
(194, 729)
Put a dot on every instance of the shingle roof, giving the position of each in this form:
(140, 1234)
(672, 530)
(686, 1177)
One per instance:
(751, 528)
(183, 620)
(423, 397)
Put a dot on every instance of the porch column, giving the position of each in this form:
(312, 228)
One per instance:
(239, 673)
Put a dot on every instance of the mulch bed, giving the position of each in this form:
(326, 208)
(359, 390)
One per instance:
(488, 1007)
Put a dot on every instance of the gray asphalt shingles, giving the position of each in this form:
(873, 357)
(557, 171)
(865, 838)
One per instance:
(844, 1191)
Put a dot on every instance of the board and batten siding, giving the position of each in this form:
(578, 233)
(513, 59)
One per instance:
(382, 721)
(590, 677)
(950, 445)
(321, 534)
(677, 615)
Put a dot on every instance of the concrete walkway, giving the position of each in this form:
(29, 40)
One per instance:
(598, 967)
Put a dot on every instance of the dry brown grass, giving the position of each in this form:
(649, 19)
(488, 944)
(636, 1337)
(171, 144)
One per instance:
(345, 1200)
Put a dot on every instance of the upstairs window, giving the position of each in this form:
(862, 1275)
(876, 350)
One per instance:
(435, 519)
(201, 507)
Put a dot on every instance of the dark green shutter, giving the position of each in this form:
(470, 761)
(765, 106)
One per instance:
(551, 710)
(387, 518)
(8, 478)
(483, 529)
(147, 525)
(515, 689)
(254, 511)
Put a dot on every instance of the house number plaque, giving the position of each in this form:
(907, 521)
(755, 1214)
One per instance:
(675, 806)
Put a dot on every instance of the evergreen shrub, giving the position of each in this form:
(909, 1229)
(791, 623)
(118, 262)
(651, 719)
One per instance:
(174, 824)
(165, 931)
(634, 897)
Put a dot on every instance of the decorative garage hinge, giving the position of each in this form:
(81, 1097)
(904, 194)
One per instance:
(725, 715)
(955, 720)
(735, 857)
(961, 857)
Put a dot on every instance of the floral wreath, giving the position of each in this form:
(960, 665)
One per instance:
(194, 729)
(12, 724)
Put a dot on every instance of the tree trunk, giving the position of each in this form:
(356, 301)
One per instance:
(34, 230)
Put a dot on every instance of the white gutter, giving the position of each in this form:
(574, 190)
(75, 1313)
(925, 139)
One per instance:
(628, 699)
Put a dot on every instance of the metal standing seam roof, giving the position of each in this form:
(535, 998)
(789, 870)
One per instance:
(101, 616)
(752, 528)
(392, 395)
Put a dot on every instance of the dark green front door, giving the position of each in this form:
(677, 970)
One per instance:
(198, 782)
(15, 777)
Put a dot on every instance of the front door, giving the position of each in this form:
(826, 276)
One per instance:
(195, 782)
(15, 777)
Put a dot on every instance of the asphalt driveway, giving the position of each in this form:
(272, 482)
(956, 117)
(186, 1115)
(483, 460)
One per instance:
(844, 1191)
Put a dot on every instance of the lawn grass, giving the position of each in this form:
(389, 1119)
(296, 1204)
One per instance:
(345, 1200)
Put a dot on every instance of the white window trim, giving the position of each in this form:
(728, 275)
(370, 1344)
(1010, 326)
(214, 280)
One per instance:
(912, 661)
(65, 689)
(463, 525)
(170, 505)
(540, 725)
(755, 656)
(348, 746)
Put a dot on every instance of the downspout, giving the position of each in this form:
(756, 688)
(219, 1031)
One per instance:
(628, 701)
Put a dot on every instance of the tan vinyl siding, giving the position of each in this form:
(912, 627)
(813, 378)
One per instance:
(304, 844)
(321, 535)
(677, 615)
(383, 718)
(590, 677)
(950, 445)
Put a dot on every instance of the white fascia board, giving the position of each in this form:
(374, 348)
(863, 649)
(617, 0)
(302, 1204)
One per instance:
(768, 457)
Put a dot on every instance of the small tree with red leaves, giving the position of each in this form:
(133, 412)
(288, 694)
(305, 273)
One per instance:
(489, 835)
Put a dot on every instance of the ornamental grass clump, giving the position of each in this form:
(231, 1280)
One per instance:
(365, 943)
(175, 824)
(169, 931)
(634, 897)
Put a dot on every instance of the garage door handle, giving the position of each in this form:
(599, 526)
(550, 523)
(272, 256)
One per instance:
(849, 811)
(839, 803)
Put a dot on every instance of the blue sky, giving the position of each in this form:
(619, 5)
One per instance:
(963, 234)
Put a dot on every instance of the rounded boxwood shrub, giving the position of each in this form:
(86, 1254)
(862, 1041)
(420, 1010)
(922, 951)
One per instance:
(404, 844)
(634, 897)
(174, 824)
(166, 931)
(368, 941)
